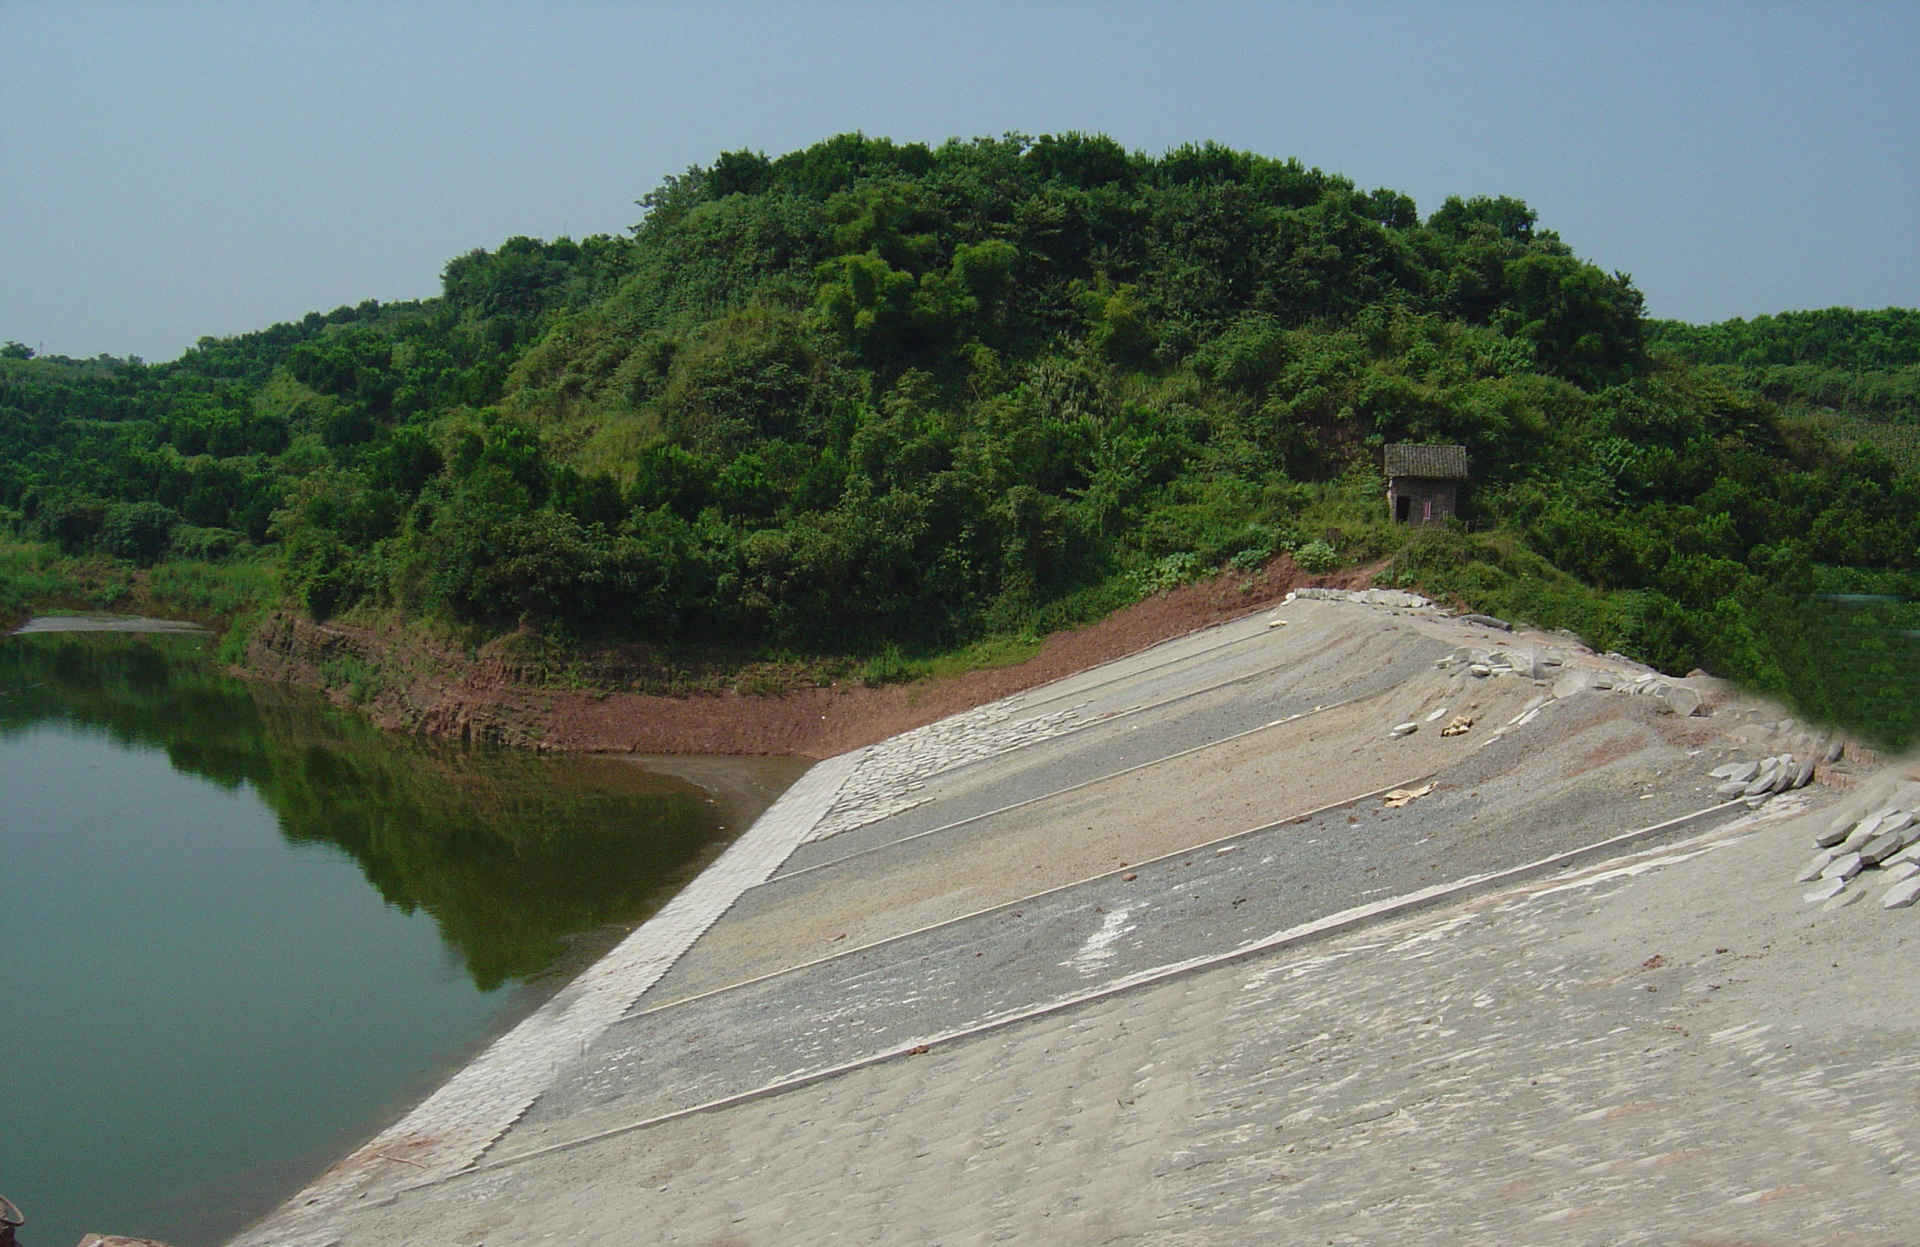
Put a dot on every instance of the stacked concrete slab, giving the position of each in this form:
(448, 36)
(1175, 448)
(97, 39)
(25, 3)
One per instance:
(1872, 839)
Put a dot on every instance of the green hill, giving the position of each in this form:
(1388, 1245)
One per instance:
(871, 396)
(1855, 374)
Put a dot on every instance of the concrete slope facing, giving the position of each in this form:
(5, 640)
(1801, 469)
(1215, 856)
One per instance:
(452, 1127)
(1599, 769)
(1217, 801)
(1666, 1047)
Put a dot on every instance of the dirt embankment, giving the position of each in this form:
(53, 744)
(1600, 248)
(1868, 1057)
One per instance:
(407, 683)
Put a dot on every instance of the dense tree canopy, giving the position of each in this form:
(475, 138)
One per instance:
(1837, 357)
(873, 393)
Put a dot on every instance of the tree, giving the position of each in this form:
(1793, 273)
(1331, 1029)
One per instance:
(1581, 322)
(138, 532)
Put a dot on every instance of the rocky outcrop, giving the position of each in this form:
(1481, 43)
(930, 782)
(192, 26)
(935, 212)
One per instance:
(403, 681)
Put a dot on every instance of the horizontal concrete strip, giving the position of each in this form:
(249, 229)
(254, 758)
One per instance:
(1060, 792)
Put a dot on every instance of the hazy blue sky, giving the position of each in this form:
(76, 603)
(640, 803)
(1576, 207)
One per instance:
(174, 170)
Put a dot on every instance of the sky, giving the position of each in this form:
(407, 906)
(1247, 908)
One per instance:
(175, 170)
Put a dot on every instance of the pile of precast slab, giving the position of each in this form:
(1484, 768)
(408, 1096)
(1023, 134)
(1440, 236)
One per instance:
(1884, 840)
(1756, 781)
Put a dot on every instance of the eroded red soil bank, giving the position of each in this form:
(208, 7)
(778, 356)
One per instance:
(406, 683)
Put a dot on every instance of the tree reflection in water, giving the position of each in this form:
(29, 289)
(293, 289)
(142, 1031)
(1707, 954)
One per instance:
(519, 858)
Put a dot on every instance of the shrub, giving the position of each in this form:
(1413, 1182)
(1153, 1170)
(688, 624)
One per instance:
(206, 545)
(351, 673)
(1168, 573)
(1250, 559)
(138, 532)
(888, 668)
(1316, 557)
(214, 591)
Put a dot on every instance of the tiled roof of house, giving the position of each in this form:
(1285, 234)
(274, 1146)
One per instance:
(1448, 462)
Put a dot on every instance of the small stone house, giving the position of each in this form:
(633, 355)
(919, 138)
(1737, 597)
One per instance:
(1423, 483)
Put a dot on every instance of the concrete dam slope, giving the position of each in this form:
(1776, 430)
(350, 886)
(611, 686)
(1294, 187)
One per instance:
(1344, 920)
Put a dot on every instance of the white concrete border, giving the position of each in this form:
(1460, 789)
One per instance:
(451, 1128)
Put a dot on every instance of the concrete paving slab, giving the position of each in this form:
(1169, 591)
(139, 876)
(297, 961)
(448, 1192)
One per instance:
(1645, 1051)
(1274, 773)
(968, 875)
(1492, 813)
(1119, 725)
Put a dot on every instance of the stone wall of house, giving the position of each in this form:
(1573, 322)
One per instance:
(1428, 501)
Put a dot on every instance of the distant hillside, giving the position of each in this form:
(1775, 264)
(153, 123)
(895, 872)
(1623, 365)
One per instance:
(1867, 363)
(871, 396)
(1856, 373)
(1835, 337)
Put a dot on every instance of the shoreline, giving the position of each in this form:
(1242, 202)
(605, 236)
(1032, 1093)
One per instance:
(409, 685)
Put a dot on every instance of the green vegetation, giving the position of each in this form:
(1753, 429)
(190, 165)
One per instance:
(1864, 362)
(516, 857)
(35, 575)
(1854, 375)
(888, 402)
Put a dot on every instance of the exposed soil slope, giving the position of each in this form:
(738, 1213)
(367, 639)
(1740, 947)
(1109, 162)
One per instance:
(410, 684)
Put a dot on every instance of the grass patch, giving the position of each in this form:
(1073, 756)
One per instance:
(361, 682)
(35, 577)
(215, 593)
(985, 654)
(1898, 440)
(1021, 635)
(27, 577)
(889, 668)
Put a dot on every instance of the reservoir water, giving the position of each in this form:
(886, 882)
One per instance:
(241, 931)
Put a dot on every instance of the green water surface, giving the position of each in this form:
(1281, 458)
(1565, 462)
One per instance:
(240, 932)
